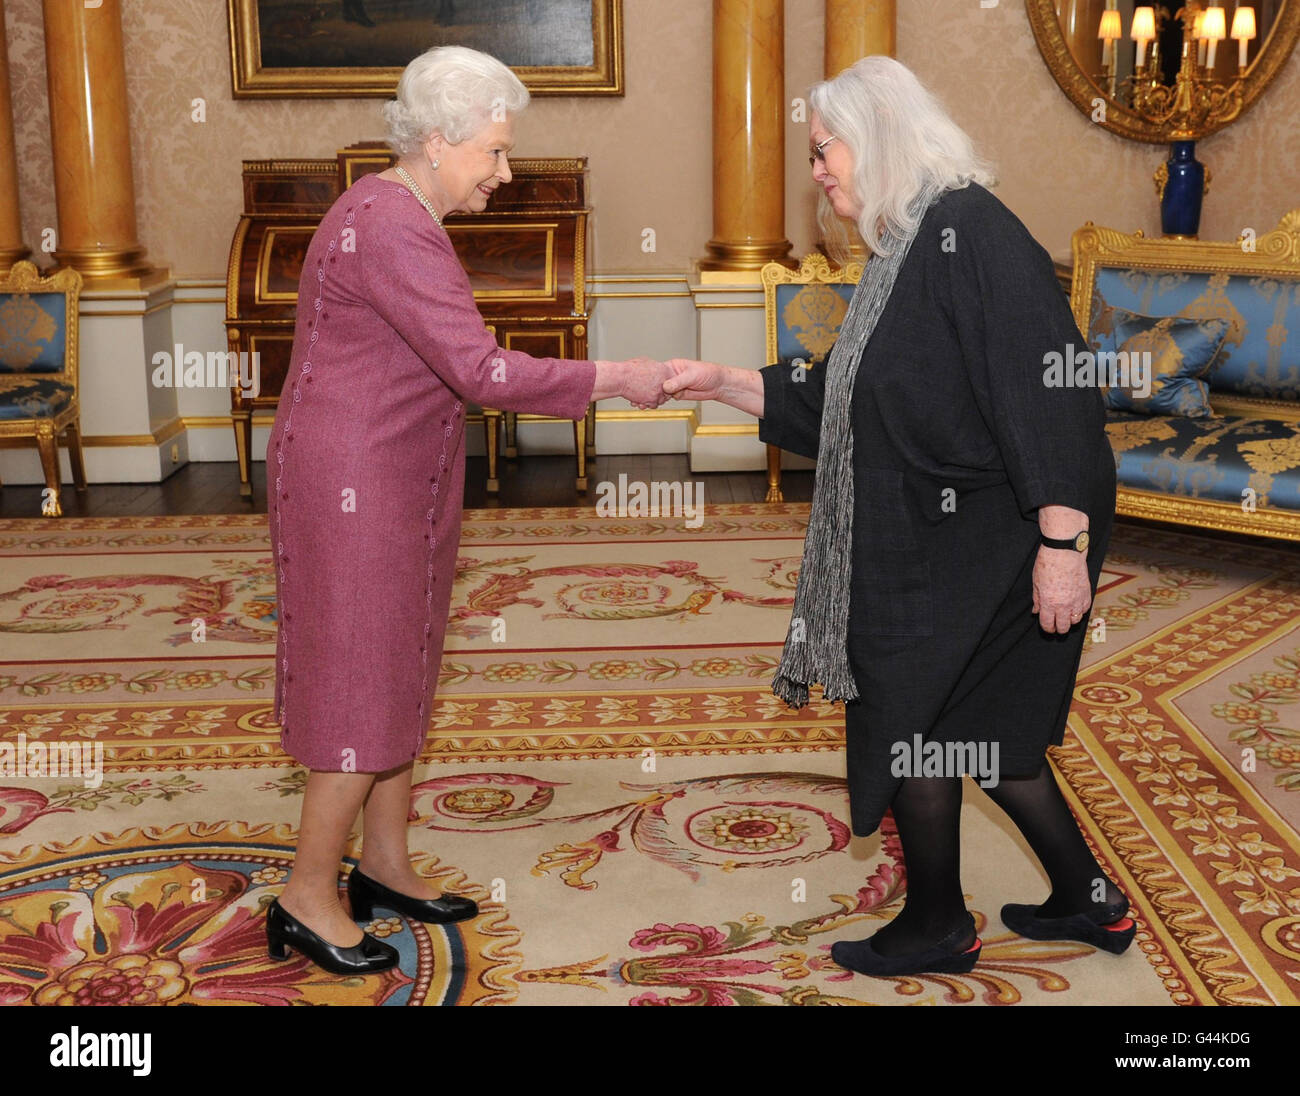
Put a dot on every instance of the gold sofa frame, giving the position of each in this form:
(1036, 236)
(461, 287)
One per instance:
(1277, 253)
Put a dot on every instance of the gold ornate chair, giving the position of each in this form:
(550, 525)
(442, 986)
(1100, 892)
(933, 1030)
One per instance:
(803, 310)
(38, 370)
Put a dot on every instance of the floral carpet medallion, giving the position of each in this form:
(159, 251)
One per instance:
(611, 779)
(176, 915)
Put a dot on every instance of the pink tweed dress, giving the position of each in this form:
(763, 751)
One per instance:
(366, 472)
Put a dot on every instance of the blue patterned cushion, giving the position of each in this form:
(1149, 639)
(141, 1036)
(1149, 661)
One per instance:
(1216, 459)
(32, 327)
(808, 319)
(1175, 353)
(36, 398)
(1261, 355)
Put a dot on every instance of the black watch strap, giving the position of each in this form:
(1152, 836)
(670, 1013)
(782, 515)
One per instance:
(1076, 543)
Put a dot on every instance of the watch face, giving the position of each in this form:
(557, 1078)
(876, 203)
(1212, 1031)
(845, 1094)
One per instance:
(1081, 541)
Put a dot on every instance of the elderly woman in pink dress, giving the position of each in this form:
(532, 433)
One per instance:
(366, 468)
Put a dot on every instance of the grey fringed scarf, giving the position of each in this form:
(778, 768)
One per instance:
(815, 646)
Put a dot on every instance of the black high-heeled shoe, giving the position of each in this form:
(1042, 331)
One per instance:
(365, 894)
(285, 931)
(860, 956)
(1107, 927)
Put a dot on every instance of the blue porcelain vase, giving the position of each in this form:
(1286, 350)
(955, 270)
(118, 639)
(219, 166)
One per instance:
(1180, 205)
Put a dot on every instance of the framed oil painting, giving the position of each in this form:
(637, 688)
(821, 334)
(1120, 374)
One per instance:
(358, 48)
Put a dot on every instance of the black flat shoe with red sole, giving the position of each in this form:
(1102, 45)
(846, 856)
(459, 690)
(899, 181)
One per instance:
(1107, 928)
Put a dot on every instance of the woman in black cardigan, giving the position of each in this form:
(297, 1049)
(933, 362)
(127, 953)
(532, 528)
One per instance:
(959, 522)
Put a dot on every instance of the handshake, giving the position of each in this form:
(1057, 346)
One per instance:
(646, 383)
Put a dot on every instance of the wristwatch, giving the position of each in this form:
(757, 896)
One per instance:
(1077, 543)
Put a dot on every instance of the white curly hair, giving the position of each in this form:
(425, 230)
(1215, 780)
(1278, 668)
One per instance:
(450, 90)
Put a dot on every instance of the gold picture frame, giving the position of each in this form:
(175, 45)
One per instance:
(261, 67)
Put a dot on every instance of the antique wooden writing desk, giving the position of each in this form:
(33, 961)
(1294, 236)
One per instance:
(525, 256)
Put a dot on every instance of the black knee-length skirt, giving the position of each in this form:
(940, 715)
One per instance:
(986, 672)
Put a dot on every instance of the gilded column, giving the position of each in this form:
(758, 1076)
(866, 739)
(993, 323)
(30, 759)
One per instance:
(12, 247)
(91, 140)
(748, 136)
(856, 29)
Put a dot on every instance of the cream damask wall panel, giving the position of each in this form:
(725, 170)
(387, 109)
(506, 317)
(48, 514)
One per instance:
(26, 40)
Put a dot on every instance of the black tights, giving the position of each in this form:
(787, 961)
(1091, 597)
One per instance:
(927, 811)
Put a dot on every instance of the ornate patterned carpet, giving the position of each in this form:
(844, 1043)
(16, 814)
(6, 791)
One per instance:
(640, 820)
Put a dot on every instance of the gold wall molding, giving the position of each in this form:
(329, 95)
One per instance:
(160, 436)
(726, 429)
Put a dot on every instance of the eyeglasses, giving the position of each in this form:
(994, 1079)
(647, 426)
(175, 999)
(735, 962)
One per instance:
(818, 154)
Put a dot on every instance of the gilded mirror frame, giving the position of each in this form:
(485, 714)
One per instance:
(1122, 120)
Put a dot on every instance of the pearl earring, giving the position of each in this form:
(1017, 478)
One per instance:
(435, 164)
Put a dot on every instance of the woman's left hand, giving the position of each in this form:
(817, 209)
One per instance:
(1062, 589)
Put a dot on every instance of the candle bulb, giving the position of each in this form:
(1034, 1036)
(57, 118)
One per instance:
(1109, 32)
(1144, 30)
(1214, 27)
(1243, 30)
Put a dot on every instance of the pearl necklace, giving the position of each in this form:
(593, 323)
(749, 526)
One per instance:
(405, 176)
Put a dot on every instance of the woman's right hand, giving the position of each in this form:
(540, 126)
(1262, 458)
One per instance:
(694, 380)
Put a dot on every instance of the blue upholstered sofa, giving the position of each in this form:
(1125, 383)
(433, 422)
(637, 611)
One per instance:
(1239, 468)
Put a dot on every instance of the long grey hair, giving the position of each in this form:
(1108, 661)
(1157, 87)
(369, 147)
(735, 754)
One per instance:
(903, 143)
